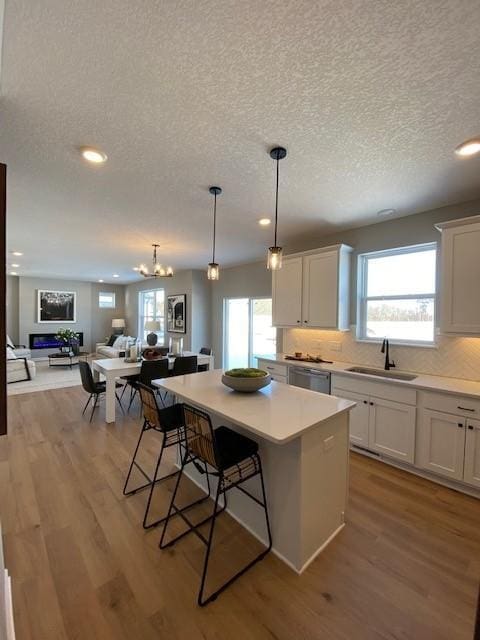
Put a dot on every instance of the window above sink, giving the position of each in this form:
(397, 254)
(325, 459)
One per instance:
(397, 295)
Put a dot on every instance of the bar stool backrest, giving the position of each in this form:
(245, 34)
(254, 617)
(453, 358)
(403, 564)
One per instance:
(199, 436)
(161, 419)
(206, 351)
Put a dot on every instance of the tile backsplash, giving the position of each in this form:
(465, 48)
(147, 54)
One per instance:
(452, 357)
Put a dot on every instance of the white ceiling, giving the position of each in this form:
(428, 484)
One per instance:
(370, 98)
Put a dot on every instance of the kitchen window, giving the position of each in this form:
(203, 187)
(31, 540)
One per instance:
(397, 295)
(151, 306)
(106, 300)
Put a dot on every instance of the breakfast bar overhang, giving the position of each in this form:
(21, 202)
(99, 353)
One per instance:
(303, 439)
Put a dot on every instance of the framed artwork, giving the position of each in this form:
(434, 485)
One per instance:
(56, 306)
(177, 313)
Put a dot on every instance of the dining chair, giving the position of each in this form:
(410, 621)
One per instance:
(95, 389)
(183, 365)
(205, 351)
(150, 370)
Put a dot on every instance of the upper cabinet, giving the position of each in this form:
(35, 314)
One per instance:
(460, 275)
(312, 289)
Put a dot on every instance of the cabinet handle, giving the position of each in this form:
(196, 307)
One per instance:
(470, 427)
(305, 321)
(298, 320)
(365, 402)
(372, 403)
(466, 409)
(460, 425)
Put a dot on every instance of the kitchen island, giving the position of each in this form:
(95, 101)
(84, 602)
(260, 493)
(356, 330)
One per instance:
(303, 441)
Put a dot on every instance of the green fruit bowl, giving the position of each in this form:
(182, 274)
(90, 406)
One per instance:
(246, 380)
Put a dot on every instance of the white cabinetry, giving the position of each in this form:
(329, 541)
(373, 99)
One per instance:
(460, 275)
(448, 438)
(312, 289)
(378, 422)
(278, 372)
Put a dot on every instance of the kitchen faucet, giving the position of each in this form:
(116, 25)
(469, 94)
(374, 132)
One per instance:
(386, 351)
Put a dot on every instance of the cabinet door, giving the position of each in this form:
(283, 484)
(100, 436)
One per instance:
(460, 309)
(441, 443)
(320, 290)
(392, 429)
(287, 294)
(472, 453)
(358, 417)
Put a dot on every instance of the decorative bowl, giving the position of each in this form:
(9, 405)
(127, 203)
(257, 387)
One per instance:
(246, 380)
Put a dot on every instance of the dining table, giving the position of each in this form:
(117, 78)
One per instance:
(114, 368)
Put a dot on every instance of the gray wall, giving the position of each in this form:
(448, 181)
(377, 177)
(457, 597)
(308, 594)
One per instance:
(246, 281)
(202, 310)
(187, 282)
(12, 308)
(95, 323)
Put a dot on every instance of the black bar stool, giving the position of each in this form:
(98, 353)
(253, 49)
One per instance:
(235, 459)
(169, 423)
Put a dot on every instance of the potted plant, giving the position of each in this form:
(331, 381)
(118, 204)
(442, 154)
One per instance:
(69, 338)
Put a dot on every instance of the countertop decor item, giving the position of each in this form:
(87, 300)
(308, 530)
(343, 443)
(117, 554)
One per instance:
(246, 380)
(213, 272)
(274, 261)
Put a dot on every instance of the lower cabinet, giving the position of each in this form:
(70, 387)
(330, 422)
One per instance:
(278, 372)
(450, 446)
(379, 424)
(391, 429)
(441, 443)
(471, 473)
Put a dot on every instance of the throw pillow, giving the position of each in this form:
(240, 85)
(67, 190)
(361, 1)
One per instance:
(111, 340)
(120, 342)
(11, 354)
(10, 343)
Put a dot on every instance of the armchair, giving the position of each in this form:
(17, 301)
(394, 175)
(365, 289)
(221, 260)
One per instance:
(20, 350)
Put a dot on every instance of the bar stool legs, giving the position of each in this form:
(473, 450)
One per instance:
(224, 485)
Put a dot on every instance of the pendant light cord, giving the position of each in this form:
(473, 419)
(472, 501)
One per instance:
(276, 206)
(214, 224)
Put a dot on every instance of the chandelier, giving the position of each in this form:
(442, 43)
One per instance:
(157, 271)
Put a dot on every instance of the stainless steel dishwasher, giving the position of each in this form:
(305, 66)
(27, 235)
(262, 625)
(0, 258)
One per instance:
(312, 379)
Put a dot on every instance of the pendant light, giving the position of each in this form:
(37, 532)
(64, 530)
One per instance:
(213, 272)
(274, 261)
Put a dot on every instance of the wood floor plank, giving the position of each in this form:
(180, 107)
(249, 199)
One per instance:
(406, 566)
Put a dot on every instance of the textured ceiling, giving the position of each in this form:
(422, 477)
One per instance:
(369, 97)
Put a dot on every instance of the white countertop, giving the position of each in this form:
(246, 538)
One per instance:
(278, 413)
(425, 382)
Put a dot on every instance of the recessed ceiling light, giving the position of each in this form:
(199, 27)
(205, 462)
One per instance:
(93, 155)
(15, 266)
(386, 212)
(17, 253)
(468, 148)
(264, 222)
(115, 275)
(13, 273)
(100, 280)
(136, 268)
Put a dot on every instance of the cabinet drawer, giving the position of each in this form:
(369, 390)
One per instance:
(273, 368)
(457, 405)
(279, 378)
(386, 390)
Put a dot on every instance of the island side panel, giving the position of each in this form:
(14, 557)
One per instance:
(282, 474)
(324, 490)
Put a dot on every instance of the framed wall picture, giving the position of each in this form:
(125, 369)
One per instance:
(56, 306)
(177, 313)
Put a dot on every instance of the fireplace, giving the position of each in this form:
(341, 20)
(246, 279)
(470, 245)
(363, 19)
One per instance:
(49, 341)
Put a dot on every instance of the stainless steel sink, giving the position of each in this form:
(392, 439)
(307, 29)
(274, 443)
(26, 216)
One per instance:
(382, 373)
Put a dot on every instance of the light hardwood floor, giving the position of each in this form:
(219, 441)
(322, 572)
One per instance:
(406, 566)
